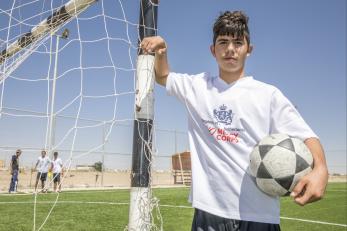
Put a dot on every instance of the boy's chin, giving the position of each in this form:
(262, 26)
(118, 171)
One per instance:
(232, 70)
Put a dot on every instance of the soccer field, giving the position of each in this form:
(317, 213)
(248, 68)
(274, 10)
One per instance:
(108, 210)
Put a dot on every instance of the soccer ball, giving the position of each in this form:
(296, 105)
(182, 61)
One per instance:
(278, 162)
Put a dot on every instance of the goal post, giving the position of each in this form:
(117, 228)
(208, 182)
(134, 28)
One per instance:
(93, 90)
(140, 192)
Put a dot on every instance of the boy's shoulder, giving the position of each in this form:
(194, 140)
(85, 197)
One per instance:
(262, 86)
(191, 79)
(195, 76)
(203, 76)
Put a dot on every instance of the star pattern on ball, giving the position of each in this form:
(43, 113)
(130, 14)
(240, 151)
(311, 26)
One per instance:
(278, 162)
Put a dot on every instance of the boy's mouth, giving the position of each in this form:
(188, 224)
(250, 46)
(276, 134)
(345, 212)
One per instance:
(230, 59)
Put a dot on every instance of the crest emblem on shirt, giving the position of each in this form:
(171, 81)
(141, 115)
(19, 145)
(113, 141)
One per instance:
(223, 115)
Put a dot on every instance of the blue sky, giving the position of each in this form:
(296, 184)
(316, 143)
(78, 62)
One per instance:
(299, 46)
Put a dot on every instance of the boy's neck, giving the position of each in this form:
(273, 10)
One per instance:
(230, 77)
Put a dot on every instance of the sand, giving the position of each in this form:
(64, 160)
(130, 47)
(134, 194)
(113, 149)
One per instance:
(92, 179)
(85, 179)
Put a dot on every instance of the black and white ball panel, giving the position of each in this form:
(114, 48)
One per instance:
(271, 187)
(278, 162)
(303, 151)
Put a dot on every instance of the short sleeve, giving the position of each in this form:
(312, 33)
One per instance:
(286, 119)
(179, 85)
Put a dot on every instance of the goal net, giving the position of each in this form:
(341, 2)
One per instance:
(68, 83)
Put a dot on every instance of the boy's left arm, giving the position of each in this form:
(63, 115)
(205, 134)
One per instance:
(11, 169)
(312, 186)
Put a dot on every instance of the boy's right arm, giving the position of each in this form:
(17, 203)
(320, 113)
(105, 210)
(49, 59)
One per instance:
(157, 45)
(37, 163)
(11, 167)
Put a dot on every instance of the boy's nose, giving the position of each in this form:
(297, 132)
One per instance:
(230, 47)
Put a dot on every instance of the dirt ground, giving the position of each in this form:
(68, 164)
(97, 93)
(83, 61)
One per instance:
(91, 179)
(85, 179)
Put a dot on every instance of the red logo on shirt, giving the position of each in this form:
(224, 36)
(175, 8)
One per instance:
(221, 134)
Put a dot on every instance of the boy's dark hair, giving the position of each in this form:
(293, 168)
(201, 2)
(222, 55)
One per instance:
(231, 23)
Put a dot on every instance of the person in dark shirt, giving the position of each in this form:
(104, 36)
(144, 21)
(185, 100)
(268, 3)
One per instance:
(14, 166)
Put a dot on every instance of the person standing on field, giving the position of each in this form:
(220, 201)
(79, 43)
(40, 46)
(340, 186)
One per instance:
(42, 166)
(57, 169)
(228, 115)
(14, 167)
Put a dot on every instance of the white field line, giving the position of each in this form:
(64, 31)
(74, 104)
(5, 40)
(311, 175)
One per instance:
(169, 206)
(311, 221)
(66, 202)
(111, 190)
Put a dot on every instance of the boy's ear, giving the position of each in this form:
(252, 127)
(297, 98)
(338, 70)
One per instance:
(250, 49)
(212, 50)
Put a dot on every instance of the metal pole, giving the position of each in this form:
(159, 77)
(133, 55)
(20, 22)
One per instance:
(51, 118)
(179, 159)
(140, 194)
(103, 155)
(51, 134)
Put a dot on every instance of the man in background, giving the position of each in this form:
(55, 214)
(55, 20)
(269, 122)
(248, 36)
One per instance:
(14, 166)
(57, 168)
(42, 166)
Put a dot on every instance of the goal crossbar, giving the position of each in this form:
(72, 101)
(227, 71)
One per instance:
(50, 25)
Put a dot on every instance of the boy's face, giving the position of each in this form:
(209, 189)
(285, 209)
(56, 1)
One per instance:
(230, 53)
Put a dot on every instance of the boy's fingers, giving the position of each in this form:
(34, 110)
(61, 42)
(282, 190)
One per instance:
(303, 198)
(144, 44)
(306, 196)
(147, 47)
(161, 51)
(303, 194)
(152, 45)
(298, 189)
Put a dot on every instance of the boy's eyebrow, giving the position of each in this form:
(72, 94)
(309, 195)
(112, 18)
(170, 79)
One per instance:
(228, 39)
(222, 39)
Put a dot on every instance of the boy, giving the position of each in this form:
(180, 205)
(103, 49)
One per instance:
(57, 167)
(228, 115)
(14, 166)
(42, 166)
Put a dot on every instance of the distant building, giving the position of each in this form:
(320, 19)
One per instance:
(85, 168)
(182, 168)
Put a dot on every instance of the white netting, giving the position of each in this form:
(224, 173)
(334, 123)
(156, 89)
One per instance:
(62, 93)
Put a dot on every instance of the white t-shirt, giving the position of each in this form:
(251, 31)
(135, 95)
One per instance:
(225, 122)
(43, 164)
(57, 165)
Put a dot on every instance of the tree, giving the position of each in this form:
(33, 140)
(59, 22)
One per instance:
(98, 166)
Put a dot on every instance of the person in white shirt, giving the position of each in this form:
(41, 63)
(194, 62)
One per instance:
(42, 166)
(227, 116)
(57, 169)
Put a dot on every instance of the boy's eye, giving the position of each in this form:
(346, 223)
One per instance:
(222, 42)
